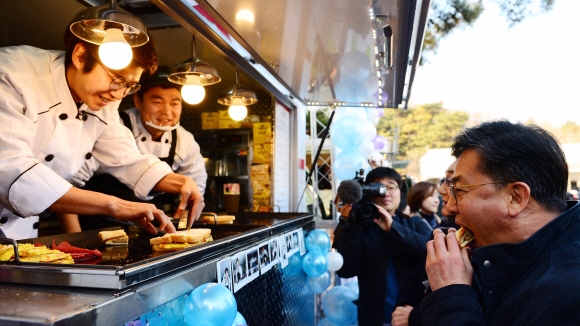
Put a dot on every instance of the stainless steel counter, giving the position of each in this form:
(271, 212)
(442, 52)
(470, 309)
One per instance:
(32, 304)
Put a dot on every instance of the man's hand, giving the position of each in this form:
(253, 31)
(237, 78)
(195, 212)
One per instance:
(446, 263)
(143, 214)
(401, 316)
(191, 198)
(83, 202)
(385, 221)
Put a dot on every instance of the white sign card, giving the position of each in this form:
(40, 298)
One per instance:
(240, 270)
(295, 244)
(288, 241)
(301, 241)
(224, 273)
(283, 251)
(274, 251)
(253, 263)
(264, 255)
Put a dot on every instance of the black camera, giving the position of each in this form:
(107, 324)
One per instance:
(365, 211)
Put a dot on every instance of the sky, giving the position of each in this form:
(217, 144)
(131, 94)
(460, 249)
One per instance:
(492, 71)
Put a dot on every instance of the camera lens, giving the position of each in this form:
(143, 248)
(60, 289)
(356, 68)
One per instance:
(369, 211)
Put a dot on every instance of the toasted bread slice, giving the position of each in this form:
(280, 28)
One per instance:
(190, 236)
(464, 237)
(221, 219)
(181, 240)
(160, 240)
(114, 237)
(120, 241)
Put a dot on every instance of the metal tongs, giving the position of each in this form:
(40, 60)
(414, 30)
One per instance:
(184, 220)
(15, 248)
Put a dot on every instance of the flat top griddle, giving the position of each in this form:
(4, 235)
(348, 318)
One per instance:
(122, 266)
(138, 249)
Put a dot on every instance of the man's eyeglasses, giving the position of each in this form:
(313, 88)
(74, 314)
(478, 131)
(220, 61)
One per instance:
(446, 181)
(454, 189)
(120, 82)
(392, 189)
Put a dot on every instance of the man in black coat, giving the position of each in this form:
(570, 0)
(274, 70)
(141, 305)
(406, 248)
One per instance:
(509, 190)
(382, 252)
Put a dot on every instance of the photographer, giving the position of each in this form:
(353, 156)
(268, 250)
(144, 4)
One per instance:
(381, 246)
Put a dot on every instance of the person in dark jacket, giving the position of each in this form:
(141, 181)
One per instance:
(408, 311)
(509, 189)
(382, 253)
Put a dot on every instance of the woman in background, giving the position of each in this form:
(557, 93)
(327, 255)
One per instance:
(423, 199)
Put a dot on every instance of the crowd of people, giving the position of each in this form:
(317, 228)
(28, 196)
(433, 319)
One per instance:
(508, 188)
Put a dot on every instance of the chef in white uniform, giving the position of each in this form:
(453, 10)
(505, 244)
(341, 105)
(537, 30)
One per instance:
(154, 122)
(58, 110)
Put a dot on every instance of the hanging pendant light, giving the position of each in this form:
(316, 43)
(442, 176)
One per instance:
(194, 75)
(237, 98)
(114, 29)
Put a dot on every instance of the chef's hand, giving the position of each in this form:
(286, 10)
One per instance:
(142, 214)
(446, 263)
(83, 202)
(400, 316)
(385, 221)
(192, 199)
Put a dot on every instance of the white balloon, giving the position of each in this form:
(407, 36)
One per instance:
(334, 260)
(370, 132)
(366, 148)
(376, 121)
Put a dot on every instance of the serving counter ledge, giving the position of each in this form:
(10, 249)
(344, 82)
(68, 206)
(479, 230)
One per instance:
(137, 287)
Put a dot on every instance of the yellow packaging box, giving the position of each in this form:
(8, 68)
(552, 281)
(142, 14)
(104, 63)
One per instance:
(262, 132)
(209, 120)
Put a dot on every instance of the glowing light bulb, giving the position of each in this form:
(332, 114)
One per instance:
(245, 15)
(192, 92)
(115, 52)
(238, 112)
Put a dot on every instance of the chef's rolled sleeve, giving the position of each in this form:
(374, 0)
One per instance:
(35, 190)
(150, 178)
(117, 154)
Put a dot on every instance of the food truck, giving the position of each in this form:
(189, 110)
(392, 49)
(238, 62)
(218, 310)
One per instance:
(288, 58)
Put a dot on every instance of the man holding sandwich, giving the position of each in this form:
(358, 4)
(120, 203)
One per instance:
(521, 268)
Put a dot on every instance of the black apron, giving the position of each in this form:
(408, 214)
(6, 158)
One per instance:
(108, 184)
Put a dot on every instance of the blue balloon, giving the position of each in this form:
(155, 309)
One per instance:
(210, 304)
(240, 320)
(355, 66)
(353, 286)
(325, 322)
(318, 284)
(338, 306)
(346, 164)
(295, 272)
(314, 264)
(349, 132)
(317, 241)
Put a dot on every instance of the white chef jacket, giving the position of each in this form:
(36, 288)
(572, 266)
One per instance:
(188, 160)
(43, 144)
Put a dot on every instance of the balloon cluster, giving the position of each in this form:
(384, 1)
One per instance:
(210, 304)
(354, 134)
(319, 261)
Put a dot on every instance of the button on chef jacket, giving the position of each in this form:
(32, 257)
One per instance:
(42, 144)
